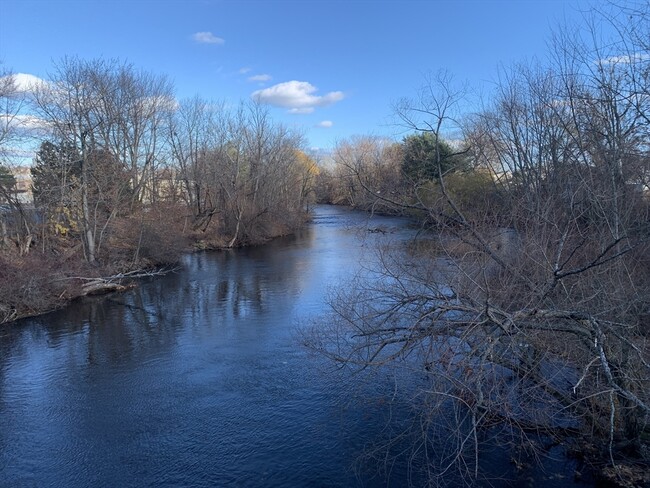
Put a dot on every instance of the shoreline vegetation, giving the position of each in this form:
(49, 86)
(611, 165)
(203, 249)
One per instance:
(34, 284)
(126, 177)
(529, 308)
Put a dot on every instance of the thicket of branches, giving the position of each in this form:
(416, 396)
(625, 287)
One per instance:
(527, 308)
(127, 177)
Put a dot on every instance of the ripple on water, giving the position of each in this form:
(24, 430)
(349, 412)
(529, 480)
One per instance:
(197, 378)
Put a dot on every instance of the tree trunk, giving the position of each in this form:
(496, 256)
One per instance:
(88, 234)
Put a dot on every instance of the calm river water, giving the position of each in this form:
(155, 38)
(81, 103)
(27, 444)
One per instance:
(198, 378)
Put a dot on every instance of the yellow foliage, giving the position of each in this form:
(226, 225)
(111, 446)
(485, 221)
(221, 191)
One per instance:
(62, 221)
(472, 192)
(307, 163)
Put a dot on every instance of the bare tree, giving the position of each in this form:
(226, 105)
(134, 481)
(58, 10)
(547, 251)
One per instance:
(365, 168)
(72, 107)
(114, 117)
(136, 107)
(534, 319)
(9, 108)
(239, 165)
(14, 219)
(194, 131)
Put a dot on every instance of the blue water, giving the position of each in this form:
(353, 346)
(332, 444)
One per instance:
(199, 378)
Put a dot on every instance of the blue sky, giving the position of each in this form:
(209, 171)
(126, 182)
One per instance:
(330, 68)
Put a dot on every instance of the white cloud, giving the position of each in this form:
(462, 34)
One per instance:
(297, 96)
(207, 38)
(244, 70)
(260, 78)
(19, 152)
(325, 124)
(23, 82)
(28, 123)
(31, 122)
(626, 58)
(301, 111)
(159, 103)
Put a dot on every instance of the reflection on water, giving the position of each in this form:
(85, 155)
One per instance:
(196, 378)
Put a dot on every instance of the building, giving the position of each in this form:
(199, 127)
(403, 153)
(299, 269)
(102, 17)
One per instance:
(23, 189)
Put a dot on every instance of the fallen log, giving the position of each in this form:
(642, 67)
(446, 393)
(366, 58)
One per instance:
(100, 287)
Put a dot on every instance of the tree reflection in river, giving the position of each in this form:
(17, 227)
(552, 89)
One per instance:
(196, 378)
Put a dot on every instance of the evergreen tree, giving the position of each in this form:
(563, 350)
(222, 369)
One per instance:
(425, 156)
(55, 174)
(7, 181)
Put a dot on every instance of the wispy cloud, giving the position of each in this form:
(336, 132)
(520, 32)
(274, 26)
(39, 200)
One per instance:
(27, 123)
(326, 124)
(297, 96)
(301, 111)
(163, 102)
(625, 58)
(207, 38)
(244, 70)
(260, 78)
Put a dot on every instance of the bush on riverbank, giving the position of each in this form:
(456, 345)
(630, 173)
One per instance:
(47, 278)
(33, 284)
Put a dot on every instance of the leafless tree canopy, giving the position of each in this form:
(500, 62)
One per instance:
(127, 177)
(527, 306)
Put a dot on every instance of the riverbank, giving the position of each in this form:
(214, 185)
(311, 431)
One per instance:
(39, 282)
(491, 265)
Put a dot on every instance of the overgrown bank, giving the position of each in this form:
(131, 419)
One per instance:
(126, 177)
(531, 311)
(38, 282)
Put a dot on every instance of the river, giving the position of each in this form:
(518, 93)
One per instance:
(199, 378)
